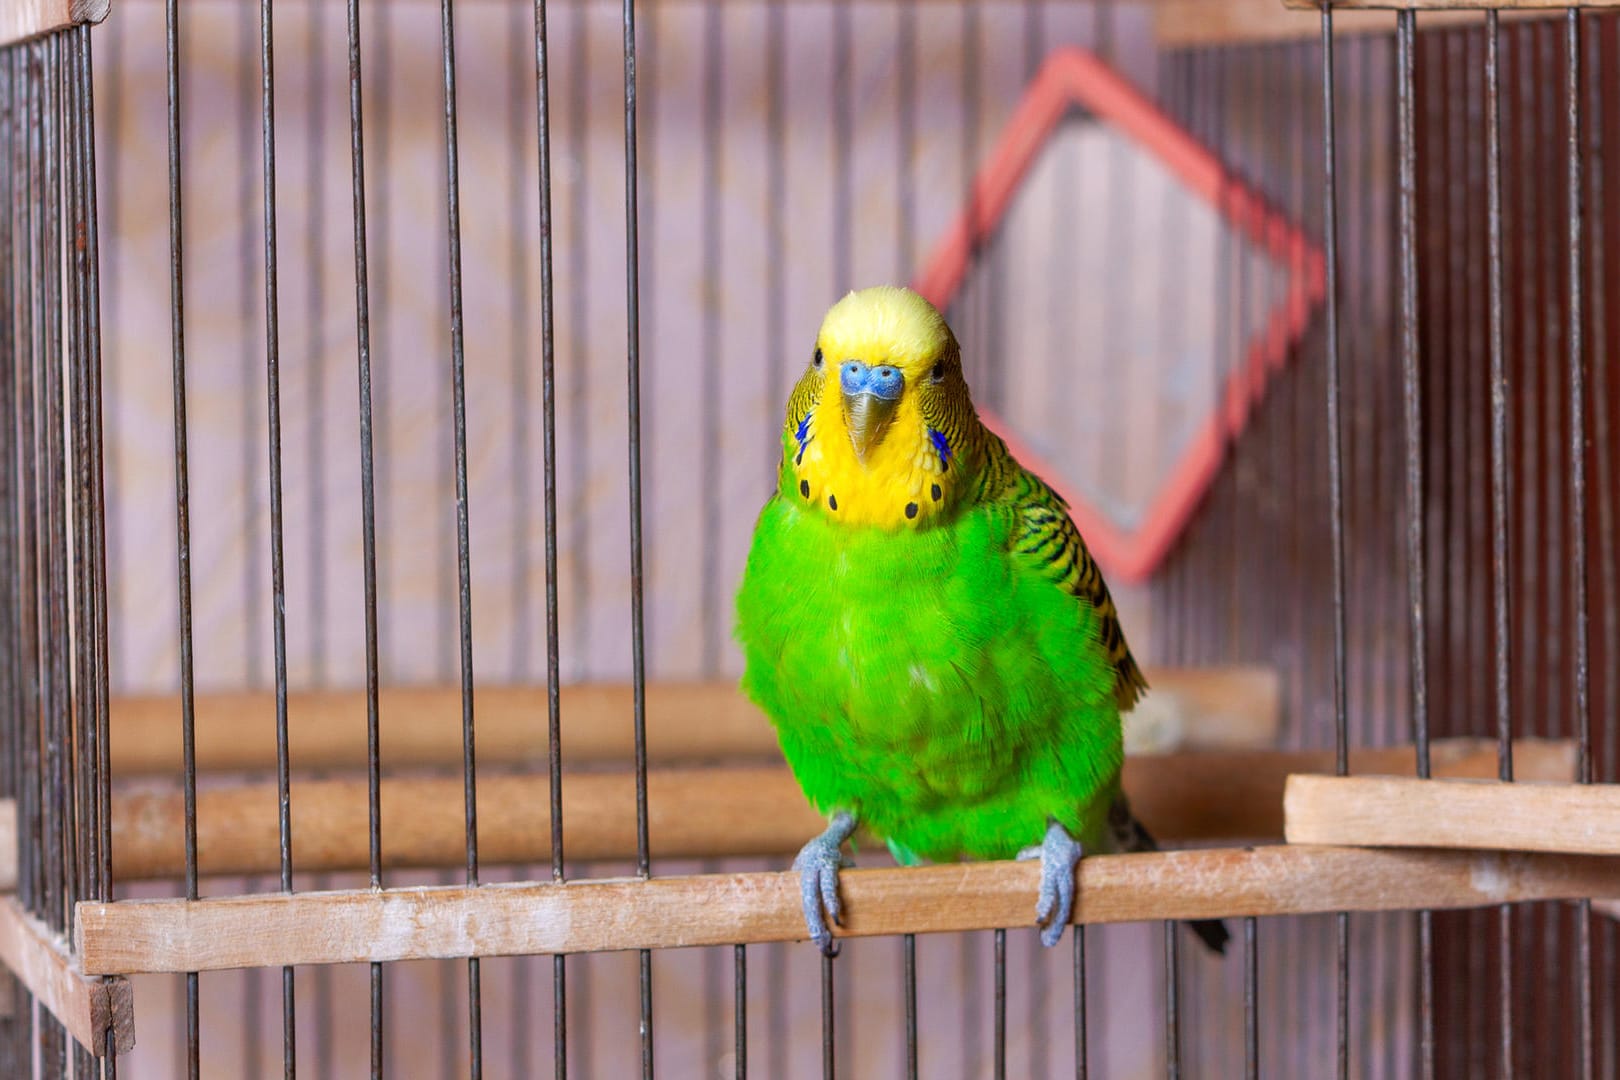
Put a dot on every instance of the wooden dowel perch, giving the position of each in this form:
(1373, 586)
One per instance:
(686, 722)
(1387, 811)
(693, 813)
(495, 920)
(87, 1007)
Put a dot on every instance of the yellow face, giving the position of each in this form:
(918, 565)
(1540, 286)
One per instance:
(889, 431)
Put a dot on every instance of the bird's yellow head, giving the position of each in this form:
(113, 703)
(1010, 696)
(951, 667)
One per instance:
(881, 429)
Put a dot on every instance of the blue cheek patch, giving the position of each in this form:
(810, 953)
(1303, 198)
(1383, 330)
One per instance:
(802, 437)
(942, 447)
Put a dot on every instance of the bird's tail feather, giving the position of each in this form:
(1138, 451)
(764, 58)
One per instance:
(1131, 835)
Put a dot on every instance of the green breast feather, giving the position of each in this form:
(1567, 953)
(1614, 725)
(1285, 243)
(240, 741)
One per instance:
(939, 683)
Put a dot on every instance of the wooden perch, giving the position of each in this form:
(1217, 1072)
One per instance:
(1185, 23)
(1376, 811)
(87, 1007)
(693, 813)
(1446, 5)
(133, 936)
(686, 722)
(24, 19)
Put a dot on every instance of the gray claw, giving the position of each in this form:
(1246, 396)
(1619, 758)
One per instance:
(818, 864)
(1054, 905)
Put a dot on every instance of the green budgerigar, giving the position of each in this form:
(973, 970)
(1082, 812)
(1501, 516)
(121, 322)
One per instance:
(922, 623)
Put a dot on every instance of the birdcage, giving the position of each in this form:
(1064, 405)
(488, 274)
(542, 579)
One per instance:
(388, 392)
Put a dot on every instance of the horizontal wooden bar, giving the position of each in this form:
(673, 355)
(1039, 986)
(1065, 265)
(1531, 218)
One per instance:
(1423, 6)
(686, 722)
(87, 1006)
(421, 726)
(692, 813)
(133, 936)
(1379, 811)
(21, 20)
(1187, 23)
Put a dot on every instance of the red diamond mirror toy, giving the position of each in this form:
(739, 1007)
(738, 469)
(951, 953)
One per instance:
(1110, 236)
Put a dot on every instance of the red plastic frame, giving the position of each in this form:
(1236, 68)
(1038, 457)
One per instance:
(1073, 77)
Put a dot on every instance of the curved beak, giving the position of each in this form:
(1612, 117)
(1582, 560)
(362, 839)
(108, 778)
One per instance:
(867, 416)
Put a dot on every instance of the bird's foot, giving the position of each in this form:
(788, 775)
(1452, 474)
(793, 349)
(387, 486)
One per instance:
(1059, 853)
(818, 864)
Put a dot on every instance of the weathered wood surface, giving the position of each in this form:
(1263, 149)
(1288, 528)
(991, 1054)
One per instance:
(495, 920)
(1386, 811)
(1446, 5)
(24, 19)
(1184, 23)
(686, 722)
(86, 1005)
(711, 812)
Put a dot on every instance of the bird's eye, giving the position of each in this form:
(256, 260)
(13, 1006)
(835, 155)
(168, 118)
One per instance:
(816, 360)
(938, 374)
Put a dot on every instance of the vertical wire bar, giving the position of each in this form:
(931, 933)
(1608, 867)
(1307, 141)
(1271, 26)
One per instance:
(1000, 1036)
(1577, 509)
(1500, 553)
(463, 543)
(1172, 1003)
(11, 684)
(905, 90)
(548, 407)
(58, 705)
(368, 504)
(26, 610)
(740, 1009)
(182, 489)
(1405, 31)
(90, 590)
(44, 419)
(30, 785)
(278, 580)
(633, 395)
(84, 832)
(1080, 1069)
(10, 566)
(1251, 948)
(1251, 1003)
(1330, 230)
(638, 661)
(908, 950)
(1341, 728)
(98, 505)
(92, 615)
(829, 1063)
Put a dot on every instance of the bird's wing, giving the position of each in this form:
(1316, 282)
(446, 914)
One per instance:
(1049, 541)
